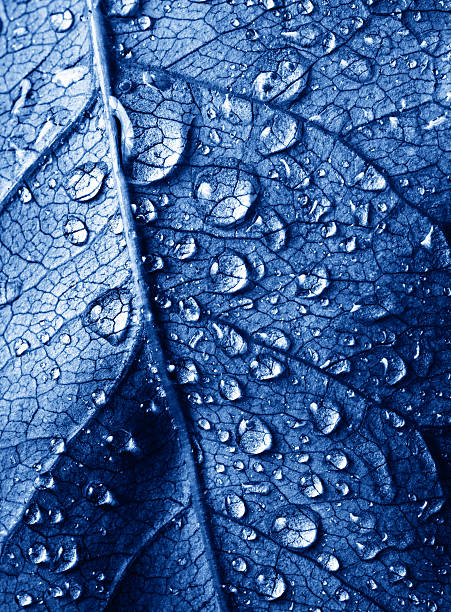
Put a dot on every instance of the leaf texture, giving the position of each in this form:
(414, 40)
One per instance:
(224, 283)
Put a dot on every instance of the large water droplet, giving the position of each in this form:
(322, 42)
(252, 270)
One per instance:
(394, 369)
(254, 436)
(265, 367)
(38, 554)
(75, 230)
(295, 527)
(325, 417)
(86, 182)
(228, 195)
(235, 506)
(313, 284)
(229, 273)
(62, 20)
(279, 134)
(98, 494)
(108, 315)
(270, 584)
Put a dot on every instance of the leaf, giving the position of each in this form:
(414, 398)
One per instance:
(224, 284)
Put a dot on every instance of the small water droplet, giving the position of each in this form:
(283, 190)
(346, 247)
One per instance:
(279, 134)
(99, 397)
(98, 493)
(66, 557)
(341, 594)
(108, 315)
(186, 372)
(254, 436)
(21, 346)
(311, 485)
(235, 506)
(190, 309)
(122, 8)
(186, 248)
(146, 211)
(24, 599)
(330, 562)
(337, 459)
(239, 565)
(274, 338)
(32, 514)
(285, 80)
(230, 340)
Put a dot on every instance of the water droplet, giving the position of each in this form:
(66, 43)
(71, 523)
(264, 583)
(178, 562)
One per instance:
(228, 195)
(86, 182)
(204, 424)
(126, 128)
(230, 340)
(274, 338)
(311, 485)
(313, 284)
(285, 80)
(32, 514)
(371, 180)
(330, 562)
(66, 78)
(186, 372)
(9, 291)
(146, 211)
(144, 22)
(394, 369)
(122, 8)
(254, 436)
(279, 134)
(229, 273)
(295, 527)
(75, 230)
(270, 584)
(265, 367)
(66, 557)
(230, 388)
(99, 397)
(21, 346)
(275, 237)
(108, 316)
(189, 309)
(62, 20)
(341, 594)
(186, 248)
(368, 546)
(337, 459)
(38, 553)
(325, 418)
(398, 571)
(24, 599)
(239, 564)
(235, 506)
(98, 493)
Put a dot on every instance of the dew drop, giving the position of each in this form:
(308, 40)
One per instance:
(32, 514)
(66, 557)
(295, 527)
(186, 248)
(265, 367)
(230, 340)
(108, 316)
(276, 235)
(186, 372)
(99, 397)
(86, 182)
(239, 564)
(38, 554)
(285, 80)
(98, 494)
(229, 273)
(311, 485)
(21, 346)
(228, 195)
(75, 230)
(326, 418)
(394, 369)
(189, 309)
(329, 562)
(146, 211)
(24, 599)
(371, 180)
(254, 436)
(122, 8)
(313, 284)
(62, 21)
(279, 134)
(274, 338)
(235, 506)
(337, 459)
(341, 594)
(270, 584)
(230, 388)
